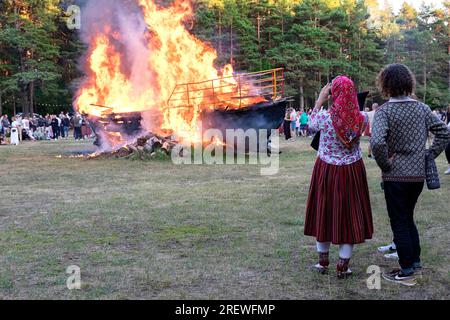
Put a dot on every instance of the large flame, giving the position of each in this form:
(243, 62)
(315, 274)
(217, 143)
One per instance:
(176, 57)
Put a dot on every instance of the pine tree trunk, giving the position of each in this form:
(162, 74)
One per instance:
(425, 81)
(24, 101)
(449, 68)
(231, 43)
(259, 32)
(31, 105)
(302, 95)
(220, 33)
(1, 104)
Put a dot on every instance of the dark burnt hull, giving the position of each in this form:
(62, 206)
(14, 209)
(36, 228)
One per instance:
(265, 116)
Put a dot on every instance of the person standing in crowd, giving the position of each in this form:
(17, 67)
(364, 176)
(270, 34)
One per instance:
(61, 125)
(287, 124)
(338, 209)
(77, 123)
(59, 133)
(310, 132)
(33, 124)
(6, 124)
(2, 134)
(368, 132)
(304, 124)
(26, 128)
(297, 123)
(66, 125)
(41, 124)
(293, 118)
(48, 127)
(399, 137)
(55, 127)
(447, 154)
(15, 132)
(19, 127)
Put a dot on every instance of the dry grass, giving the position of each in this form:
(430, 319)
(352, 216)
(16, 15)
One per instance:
(152, 230)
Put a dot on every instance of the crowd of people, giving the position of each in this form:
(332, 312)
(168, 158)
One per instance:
(338, 209)
(50, 127)
(296, 124)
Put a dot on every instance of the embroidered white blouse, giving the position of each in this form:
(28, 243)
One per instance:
(331, 149)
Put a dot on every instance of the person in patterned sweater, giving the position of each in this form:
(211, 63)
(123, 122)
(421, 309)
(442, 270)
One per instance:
(399, 135)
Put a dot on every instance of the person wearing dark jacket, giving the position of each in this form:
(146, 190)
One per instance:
(55, 127)
(61, 125)
(399, 136)
(66, 125)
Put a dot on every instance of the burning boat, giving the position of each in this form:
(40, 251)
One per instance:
(146, 73)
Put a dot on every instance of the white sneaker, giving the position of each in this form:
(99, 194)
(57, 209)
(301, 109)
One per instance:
(390, 248)
(391, 256)
(447, 172)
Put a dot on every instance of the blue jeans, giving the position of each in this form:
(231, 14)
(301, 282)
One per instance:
(401, 200)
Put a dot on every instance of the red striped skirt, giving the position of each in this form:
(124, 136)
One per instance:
(338, 208)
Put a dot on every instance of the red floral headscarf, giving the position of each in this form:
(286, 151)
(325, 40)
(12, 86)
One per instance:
(348, 121)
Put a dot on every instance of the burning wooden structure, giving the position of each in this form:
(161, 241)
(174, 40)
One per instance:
(242, 101)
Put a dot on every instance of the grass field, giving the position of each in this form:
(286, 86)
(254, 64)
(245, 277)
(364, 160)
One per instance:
(152, 230)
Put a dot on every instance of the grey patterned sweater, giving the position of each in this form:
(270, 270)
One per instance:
(399, 132)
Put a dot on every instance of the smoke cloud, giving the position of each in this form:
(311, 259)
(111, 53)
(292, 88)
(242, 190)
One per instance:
(123, 23)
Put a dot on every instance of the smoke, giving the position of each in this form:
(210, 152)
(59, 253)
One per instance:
(122, 22)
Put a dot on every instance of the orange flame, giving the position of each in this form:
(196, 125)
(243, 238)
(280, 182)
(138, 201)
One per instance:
(176, 57)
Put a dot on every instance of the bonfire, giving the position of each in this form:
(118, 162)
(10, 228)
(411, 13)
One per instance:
(149, 80)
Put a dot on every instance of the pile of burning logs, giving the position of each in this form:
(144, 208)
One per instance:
(146, 147)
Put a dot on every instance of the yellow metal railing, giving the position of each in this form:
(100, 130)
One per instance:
(229, 92)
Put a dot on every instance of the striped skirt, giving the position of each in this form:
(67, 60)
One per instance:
(338, 208)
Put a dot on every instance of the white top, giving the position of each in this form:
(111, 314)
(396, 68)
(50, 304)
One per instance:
(26, 124)
(15, 124)
(293, 115)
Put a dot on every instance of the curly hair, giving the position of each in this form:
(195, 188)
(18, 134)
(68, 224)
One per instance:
(396, 80)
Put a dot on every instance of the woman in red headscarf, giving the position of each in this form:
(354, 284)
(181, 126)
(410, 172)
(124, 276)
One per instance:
(338, 210)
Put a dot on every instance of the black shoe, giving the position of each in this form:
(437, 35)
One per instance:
(398, 276)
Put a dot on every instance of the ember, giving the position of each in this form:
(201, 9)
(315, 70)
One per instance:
(148, 146)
